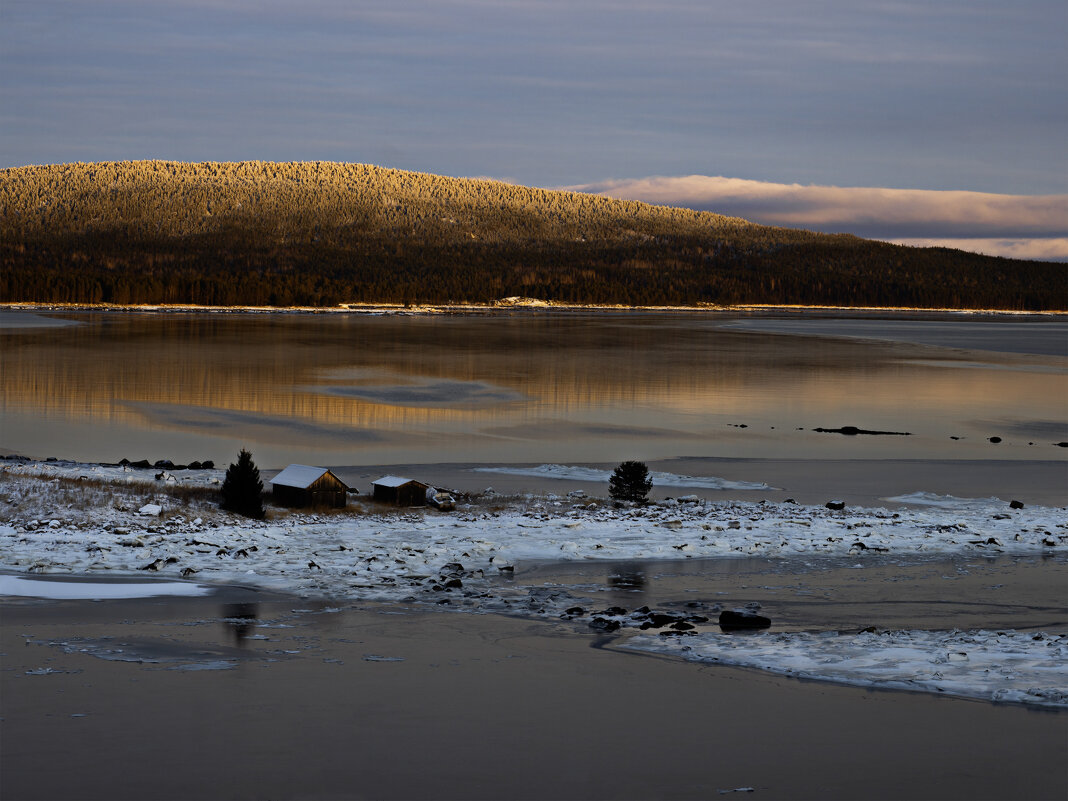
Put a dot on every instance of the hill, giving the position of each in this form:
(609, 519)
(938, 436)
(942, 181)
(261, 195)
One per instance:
(319, 234)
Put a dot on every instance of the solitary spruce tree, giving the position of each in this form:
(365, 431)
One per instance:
(630, 482)
(242, 490)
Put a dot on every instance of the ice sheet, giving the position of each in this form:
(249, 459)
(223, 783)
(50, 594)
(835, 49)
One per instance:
(16, 586)
(1007, 666)
(568, 473)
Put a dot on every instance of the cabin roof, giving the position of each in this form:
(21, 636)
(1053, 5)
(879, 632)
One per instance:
(300, 476)
(395, 481)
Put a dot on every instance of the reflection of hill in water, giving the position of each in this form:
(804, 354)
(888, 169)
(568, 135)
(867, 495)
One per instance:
(506, 376)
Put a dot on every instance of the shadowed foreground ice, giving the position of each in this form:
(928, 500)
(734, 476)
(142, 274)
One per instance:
(1007, 666)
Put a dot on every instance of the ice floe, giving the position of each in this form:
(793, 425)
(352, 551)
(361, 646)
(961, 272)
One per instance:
(1006, 666)
(19, 587)
(569, 473)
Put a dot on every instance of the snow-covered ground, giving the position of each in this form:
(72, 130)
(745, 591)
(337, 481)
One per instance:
(52, 526)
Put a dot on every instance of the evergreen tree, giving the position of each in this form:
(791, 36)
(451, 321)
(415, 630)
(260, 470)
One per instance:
(630, 482)
(242, 490)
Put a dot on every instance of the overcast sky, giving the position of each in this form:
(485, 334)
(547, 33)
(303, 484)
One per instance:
(934, 95)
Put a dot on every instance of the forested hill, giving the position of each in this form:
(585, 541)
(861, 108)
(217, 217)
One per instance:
(320, 234)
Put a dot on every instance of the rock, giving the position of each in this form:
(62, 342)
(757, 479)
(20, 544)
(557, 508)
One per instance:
(740, 619)
(123, 462)
(835, 505)
(151, 509)
(453, 584)
(852, 431)
(452, 567)
(575, 611)
(604, 625)
(188, 571)
(195, 465)
(614, 611)
(659, 619)
(1015, 505)
(682, 626)
(163, 464)
(995, 440)
(1061, 444)
(208, 465)
(142, 463)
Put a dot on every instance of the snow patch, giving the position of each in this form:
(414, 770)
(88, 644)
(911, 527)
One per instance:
(591, 474)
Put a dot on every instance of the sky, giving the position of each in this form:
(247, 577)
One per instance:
(767, 109)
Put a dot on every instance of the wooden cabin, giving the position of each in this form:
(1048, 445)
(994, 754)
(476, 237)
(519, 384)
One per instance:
(400, 491)
(302, 485)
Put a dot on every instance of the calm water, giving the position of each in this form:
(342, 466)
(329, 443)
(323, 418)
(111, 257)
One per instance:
(333, 389)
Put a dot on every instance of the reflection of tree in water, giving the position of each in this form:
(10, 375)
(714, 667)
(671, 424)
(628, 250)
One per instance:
(631, 577)
(240, 619)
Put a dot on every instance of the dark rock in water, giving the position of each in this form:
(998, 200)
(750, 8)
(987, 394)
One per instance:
(188, 571)
(696, 619)
(681, 626)
(952, 437)
(603, 624)
(195, 466)
(790, 500)
(208, 465)
(180, 467)
(995, 440)
(658, 619)
(124, 462)
(575, 611)
(1015, 505)
(164, 464)
(641, 611)
(1061, 444)
(614, 611)
(733, 619)
(852, 431)
(677, 633)
(867, 630)
(453, 584)
(51, 459)
(452, 567)
(836, 505)
(142, 463)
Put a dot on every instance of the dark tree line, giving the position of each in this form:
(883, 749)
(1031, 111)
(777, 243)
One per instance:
(285, 235)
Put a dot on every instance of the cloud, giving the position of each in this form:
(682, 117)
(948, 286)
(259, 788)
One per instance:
(1023, 226)
(1049, 249)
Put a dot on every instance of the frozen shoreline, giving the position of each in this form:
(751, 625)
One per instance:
(456, 559)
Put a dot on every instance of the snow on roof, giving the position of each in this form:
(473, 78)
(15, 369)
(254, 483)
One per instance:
(301, 476)
(394, 481)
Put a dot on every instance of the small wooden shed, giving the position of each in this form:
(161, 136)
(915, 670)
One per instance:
(302, 485)
(400, 491)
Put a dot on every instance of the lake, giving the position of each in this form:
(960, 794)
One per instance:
(530, 388)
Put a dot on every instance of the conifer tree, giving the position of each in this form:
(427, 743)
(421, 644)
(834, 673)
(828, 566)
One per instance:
(242, 490)
(630, 482)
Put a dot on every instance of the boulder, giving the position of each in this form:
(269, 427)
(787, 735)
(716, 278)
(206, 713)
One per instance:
(742, 619)
(835, 505)
(1016, 505)
(604, 624)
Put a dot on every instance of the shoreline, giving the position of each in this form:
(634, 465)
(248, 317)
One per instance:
(522, 305)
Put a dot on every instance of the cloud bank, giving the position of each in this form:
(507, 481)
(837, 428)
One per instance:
(1018, 226)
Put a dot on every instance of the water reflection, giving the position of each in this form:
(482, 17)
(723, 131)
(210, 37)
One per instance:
(628, 577)
(240, 620)
(485, 389)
